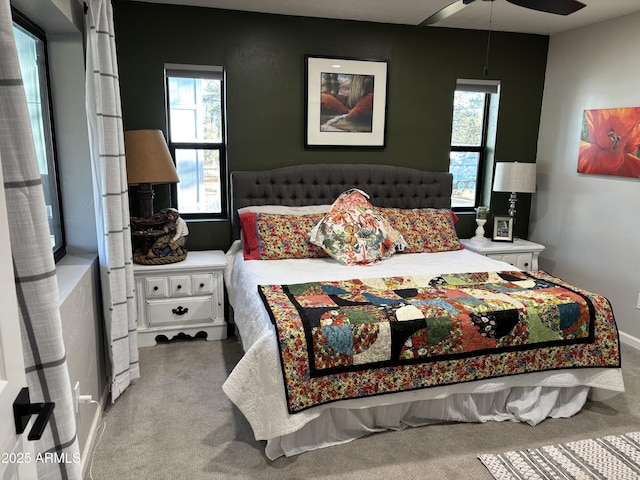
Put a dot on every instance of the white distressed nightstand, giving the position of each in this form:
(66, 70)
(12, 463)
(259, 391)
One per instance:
(183, 297)
(521, 253)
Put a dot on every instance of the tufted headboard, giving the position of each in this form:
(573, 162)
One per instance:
(316, 184)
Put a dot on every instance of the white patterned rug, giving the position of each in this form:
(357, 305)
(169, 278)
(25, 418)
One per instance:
(615, 457)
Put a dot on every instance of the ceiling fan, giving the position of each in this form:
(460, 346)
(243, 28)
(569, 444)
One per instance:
(558, 7)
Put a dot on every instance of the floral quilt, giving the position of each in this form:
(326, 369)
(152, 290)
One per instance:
(362, 337)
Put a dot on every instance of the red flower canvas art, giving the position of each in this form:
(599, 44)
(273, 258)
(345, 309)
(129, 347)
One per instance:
(610, 142)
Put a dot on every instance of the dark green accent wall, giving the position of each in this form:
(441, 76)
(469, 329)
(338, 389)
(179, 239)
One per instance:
(263, 56)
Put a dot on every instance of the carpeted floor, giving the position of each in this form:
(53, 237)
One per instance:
(176, 423)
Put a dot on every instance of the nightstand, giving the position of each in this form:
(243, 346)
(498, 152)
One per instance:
(183, 297)
(521, 253)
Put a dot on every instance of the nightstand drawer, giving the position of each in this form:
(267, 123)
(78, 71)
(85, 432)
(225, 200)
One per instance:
(155, 287)
(179, 285)
(202, 284)
(522, 254)
(183, 311)
(523, 261)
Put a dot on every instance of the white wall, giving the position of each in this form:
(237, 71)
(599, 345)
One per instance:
(589, 224)
(82, 332)
(66, 61)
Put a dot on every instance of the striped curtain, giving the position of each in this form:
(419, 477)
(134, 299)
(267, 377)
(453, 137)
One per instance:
(106, 139)
(34, 265)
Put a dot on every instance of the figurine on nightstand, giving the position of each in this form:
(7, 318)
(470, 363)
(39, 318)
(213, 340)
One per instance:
(173, 242)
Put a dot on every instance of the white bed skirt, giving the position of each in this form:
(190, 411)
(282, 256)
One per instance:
(255, 385)
(335, 426)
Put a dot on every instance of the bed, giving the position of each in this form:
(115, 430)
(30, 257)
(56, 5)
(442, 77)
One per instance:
(280, 390)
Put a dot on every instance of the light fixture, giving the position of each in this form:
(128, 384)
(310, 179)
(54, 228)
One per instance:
(148, 163)
(514, 177)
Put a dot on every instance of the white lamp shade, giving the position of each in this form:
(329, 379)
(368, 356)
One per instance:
(515, 177)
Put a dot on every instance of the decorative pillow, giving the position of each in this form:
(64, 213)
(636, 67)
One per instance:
(355, 233)
(268, 236)
(424, 229)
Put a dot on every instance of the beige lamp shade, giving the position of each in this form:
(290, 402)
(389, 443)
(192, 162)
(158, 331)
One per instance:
(148, 162)
(148, 158)
(515, 177)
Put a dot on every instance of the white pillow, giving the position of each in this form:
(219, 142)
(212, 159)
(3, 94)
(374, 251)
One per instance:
(285, 209)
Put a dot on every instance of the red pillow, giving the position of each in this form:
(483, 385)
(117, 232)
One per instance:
(249, 236)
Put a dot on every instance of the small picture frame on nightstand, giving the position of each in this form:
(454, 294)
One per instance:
(502, 228)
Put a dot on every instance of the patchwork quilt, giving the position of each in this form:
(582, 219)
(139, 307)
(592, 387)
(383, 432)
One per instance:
(362, 337)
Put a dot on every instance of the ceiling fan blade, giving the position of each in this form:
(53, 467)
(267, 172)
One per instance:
(559, 7)
(445, 12)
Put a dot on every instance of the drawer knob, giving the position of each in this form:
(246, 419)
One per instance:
(180, 310)
(155, 288)
(179, 287)
(202, 285)
(526, 264)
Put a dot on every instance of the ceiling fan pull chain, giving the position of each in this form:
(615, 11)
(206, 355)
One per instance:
(486, 61)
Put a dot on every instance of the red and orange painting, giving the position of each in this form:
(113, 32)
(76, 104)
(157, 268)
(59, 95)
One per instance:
(610, 142)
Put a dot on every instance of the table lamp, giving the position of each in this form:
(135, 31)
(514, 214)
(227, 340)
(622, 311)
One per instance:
(514, 177)
(148, 163)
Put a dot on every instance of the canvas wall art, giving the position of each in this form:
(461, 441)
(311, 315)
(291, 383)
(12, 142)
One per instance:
(610, 142)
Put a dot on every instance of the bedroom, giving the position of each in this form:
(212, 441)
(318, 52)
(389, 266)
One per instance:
(574, 216)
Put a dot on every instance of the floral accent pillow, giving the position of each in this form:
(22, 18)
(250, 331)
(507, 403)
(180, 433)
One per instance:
(355, 233)
(267, 236)
(425, 229)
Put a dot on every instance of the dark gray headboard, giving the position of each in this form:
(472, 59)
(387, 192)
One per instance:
(387, 185)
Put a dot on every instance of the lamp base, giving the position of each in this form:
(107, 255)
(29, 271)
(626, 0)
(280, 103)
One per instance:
(145, 198)
(513, 198)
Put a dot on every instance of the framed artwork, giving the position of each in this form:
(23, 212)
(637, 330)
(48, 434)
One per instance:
(610, 141)
(346, 102)
(502, 228)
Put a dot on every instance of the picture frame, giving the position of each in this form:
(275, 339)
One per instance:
(345, 102)
(599, 152)
(502, 228)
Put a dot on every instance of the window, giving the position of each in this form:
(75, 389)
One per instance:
(472, 104)
(195, 111)
(32, 55)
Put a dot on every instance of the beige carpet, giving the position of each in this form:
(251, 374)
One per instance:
(176, 423)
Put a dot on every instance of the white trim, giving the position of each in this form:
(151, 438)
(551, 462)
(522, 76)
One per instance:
(91, 438)
(193, 71)
(630, 340)
(475, 85)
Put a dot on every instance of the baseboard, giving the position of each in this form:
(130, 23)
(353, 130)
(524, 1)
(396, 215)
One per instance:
(91, 439)
(629, 340)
